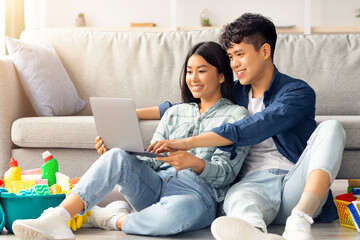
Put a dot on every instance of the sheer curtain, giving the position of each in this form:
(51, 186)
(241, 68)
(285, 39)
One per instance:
(2, 27)
(12, 20)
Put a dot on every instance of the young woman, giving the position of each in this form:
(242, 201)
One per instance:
(170, 194)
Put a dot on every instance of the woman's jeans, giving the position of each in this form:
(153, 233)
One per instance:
(269, 196)
(166, 202)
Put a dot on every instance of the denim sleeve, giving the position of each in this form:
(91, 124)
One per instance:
(163, 107)
(283, 113)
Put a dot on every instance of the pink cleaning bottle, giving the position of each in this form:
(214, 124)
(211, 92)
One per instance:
(13, 174)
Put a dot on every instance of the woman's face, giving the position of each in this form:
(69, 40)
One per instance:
(203, 79)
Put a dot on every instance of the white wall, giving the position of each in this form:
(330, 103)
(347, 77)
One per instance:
(119, 13)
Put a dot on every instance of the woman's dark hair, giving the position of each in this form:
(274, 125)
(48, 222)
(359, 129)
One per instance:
(215, 55)
(253, 29)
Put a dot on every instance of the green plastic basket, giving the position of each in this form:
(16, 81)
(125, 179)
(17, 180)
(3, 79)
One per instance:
(2, 214)
(2, 219)
(26, 207)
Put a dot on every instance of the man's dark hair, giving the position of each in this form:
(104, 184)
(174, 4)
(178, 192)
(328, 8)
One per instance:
(250, 28)
(215, 55)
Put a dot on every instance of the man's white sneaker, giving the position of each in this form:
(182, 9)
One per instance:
(298, 226)
(50, 225)
(230, 228)
(100, 216)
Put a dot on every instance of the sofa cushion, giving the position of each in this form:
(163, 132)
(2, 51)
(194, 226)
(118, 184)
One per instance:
(64, 132)
(333, 72)
(58, 132)
(80, 131)
(351, 125)
(44, 79)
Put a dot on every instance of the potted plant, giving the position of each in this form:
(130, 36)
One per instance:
(358, 13)
(204, 18)
(80, 20)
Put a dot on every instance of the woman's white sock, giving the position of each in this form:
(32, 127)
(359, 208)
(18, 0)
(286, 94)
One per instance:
(63, 212)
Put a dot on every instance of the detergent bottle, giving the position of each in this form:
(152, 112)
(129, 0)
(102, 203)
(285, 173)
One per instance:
(13, 174)
(49, 168)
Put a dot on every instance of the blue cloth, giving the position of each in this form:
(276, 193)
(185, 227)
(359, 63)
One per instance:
(288, 117)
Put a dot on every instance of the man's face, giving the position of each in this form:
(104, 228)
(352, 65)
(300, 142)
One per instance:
(247, 63)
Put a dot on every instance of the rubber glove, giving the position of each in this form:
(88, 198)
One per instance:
(78, 220)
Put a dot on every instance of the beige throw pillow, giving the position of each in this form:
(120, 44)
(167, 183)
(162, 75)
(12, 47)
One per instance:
(44, 78)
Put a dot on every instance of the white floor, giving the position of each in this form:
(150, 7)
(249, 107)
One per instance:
(321, 231)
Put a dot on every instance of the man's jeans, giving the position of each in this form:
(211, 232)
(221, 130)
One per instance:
(269, 196)
(166, 202)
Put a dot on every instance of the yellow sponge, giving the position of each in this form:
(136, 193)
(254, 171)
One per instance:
(55, 189)
(23, 185)
(63, 181)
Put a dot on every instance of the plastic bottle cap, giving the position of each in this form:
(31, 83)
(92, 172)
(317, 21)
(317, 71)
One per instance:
(1, 182)
(13, 163)
(47, 156)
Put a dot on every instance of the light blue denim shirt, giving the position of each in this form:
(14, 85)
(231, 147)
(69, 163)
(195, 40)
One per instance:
(184, 120)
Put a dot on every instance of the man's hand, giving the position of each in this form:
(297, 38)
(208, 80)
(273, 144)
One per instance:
(169, 145)
(181, 160)
(209, 139)
(100, 146)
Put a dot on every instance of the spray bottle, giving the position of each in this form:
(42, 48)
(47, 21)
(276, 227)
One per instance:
(49, 168)
(13, 174)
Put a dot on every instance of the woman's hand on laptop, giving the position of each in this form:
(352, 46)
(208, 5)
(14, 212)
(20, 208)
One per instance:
(100, 146)
(181, 160)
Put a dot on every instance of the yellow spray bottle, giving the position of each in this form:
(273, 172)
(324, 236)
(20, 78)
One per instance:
(13, 174)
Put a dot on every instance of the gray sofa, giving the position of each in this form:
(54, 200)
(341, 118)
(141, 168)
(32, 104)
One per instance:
(145, 66)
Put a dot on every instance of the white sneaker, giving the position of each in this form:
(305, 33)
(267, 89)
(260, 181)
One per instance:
(298, 226)
(50, 225)
(100, 216)
(230, 228)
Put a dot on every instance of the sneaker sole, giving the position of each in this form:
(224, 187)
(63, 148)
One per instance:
(26, 233)
(240, 230)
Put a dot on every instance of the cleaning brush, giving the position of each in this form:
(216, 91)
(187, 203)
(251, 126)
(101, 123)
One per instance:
(353, 208)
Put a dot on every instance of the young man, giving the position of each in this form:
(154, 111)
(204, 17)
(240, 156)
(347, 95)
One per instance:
(286, 177)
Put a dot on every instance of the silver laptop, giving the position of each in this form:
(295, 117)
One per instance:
(117, 124)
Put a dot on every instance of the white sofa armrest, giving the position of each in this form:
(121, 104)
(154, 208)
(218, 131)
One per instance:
(13, 105)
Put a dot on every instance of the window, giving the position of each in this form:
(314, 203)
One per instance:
(2, 27)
